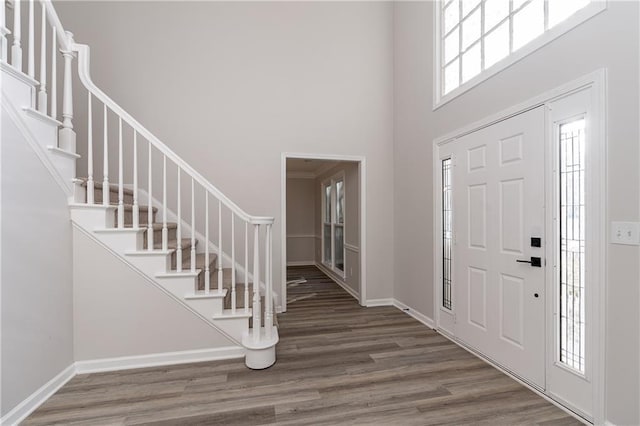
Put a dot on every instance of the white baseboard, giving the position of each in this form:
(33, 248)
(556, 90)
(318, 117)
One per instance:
(302, 263)
(33, 401)
(338, 281)
(379, 302)
(415, 314)
(155, 360)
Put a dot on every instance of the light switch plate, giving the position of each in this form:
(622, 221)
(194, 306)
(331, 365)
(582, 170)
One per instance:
(625, 233)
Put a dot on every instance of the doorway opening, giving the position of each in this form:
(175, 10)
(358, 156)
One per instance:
(323, 221)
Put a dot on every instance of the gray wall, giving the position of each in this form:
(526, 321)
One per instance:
(609, 40)
(301, 220)
(351, 221)
(229, 86)
(36, 279)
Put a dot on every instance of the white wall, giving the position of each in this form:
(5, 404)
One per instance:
(36, 278)
(609, 40)
(229, 86)
(301, 218)
(122, 314)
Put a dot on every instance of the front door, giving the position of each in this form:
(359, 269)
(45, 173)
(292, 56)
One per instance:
(499, 258)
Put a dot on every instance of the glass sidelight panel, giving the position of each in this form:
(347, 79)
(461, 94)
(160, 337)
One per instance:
(447, 232)
(572, 245)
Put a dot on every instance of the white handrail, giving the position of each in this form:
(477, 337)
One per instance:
(83, 73)
(63, 39)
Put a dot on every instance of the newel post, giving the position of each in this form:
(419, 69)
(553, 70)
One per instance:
(67, 136)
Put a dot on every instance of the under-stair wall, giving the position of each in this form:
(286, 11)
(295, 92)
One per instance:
(119, 313)
(36, 270)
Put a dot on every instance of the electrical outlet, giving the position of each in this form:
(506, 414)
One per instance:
(625, 233)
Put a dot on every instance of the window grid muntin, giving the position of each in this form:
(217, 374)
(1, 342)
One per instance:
(447, 232)
(459, 25)
(572, 344)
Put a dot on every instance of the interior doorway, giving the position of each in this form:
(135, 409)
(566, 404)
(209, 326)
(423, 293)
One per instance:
(323, 220)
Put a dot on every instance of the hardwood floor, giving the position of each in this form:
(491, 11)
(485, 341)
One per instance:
(338, 363)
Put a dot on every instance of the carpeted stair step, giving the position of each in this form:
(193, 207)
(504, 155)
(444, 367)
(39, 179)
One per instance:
(143, 215)
(200, 264)
(240, 296)
(113, 193)
(172, 229)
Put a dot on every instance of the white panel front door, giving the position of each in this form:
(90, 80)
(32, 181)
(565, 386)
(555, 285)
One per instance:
(498, 204)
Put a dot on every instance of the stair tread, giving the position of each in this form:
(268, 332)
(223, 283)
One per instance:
(156, 226)
(113, 187)
(129, 207)
(185, 243)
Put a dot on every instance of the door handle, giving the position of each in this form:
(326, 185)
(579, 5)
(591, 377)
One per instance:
(535, 261)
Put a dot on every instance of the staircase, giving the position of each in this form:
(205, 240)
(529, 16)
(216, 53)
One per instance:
(193, 242)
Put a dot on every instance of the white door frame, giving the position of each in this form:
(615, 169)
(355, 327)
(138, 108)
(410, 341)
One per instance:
(597, 81)
(363, 218)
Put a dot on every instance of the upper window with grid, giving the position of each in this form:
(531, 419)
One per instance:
(479, 35)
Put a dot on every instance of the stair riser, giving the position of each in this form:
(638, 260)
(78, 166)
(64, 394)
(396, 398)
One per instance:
(142, 217)
(157, 234)
(212, 279)
(239, 296)
(113, 197)
(186, 259)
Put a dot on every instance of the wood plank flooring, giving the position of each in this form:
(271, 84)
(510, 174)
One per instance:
(338, 363)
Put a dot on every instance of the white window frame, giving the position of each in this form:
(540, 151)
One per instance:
(550, 34)
(331, 182)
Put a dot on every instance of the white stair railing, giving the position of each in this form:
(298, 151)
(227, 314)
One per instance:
(259, 249)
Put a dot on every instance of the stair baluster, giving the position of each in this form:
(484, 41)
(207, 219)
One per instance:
(193, 227)
(67, 140)
(220, 272)
(207, 271)
(105, 160)
(54, 72)
(136, 207)
(268, 302)
(179, 229)
(42, 94)
(233, 263)
(16, 49)
(31, 54)
(90, 183)
(165, 231)
(120, 177)
(256, 283)
(246, 266)
(150, 204)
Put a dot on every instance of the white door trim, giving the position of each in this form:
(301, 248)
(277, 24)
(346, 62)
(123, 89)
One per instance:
(597, 81)
(362, 162)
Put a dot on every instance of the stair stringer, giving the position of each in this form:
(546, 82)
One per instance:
(91, 220)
